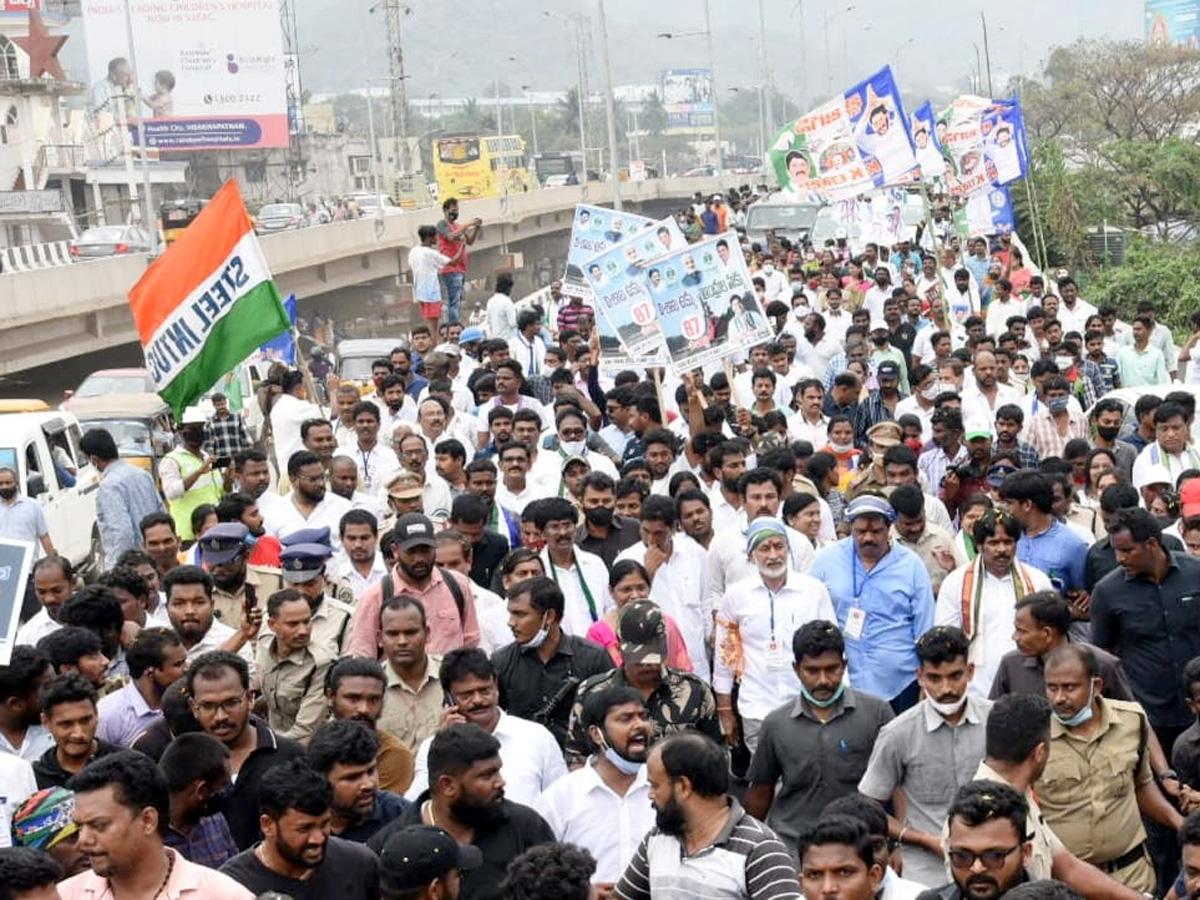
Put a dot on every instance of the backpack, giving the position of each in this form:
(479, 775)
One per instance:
(389, 591)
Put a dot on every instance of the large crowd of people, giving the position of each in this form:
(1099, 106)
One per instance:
(899, 605)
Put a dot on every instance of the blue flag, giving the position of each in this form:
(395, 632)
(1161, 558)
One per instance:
(283, 348)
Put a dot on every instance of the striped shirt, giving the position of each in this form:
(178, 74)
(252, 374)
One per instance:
(746, 860)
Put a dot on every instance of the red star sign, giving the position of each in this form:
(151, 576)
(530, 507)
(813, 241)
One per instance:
(42, 48)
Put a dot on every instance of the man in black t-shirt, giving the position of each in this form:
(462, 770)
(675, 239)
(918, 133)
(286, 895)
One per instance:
(297, 855)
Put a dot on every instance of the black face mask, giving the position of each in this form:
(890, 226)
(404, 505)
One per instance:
(879, 341)
(600, 516)
(1108, 432)
(8, 493)
(192, 437)
(452, 215)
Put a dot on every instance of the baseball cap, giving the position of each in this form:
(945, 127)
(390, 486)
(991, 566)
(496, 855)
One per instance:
(642, 631)
(977, 428)
(223, 542)
(414, 530)
(405, 486)
(997, 473)
(1189, 498)
(1154, 475)
(869, 505)
(574, 458)
(470, 335)
(887, 369)
(303, 562)
(417, 854)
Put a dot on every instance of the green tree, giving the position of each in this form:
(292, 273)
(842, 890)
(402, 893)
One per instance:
(1155, 271)
(653, 117)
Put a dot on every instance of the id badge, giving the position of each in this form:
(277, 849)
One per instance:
(856, 621)
(776, 658)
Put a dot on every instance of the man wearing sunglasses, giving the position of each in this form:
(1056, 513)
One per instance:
(988, 844)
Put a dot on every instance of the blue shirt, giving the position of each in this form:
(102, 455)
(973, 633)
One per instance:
(127, 495)
(1060, 553)
(896, 597)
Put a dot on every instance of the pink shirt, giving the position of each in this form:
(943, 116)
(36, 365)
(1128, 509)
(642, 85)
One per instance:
(677, 656)
(447, 630)
(188, 881)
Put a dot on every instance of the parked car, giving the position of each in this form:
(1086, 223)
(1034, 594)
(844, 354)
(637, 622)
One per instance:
(42, 447)
(110, 381)
(373, 204)
(354, 357)
(279, 217)
(110, 240)
(141, 424)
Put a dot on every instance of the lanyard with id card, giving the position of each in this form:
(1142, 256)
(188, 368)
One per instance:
(777, 657)
(856, 618)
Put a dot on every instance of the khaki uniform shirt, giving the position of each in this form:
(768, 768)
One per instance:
(1044, 843)
(934, 536)
(331, 625)
(230, 607)
(396, 764)
(1089, 789)
(294, 688)
(412, 715)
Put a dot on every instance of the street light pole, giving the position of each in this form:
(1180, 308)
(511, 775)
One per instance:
(712, 86)
(828, 57)
(986, 52)
(764, 108)
(610, 110)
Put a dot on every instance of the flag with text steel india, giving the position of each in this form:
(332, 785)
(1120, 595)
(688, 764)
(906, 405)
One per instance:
(207, 303)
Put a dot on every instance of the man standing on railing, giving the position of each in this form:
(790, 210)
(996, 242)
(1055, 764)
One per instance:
(450, 236)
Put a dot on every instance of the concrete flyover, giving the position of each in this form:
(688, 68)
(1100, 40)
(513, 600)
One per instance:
(53, 314)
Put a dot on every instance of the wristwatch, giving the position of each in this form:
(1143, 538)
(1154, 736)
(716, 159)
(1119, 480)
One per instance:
(1169, 774)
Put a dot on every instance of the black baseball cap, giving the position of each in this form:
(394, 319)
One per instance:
(417, 854)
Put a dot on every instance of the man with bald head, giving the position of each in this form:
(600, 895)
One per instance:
(982, 393)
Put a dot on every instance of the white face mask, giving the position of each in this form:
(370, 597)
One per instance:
(840, 448)
(768, 268)
(573, 448)
(1021, 378)
(1064, 362)
(948, 709)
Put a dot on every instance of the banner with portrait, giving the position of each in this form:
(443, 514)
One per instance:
(984, 144)
(595, 229)
(855, 143)
(988, 212)
(618, 282)
(925, 139)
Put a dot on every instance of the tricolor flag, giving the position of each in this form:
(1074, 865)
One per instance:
(207, 303)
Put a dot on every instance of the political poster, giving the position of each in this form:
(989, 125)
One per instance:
(989, 212)
(877, 217)
(1173, 23)
(705, 304)
(855, 143)
(211, 72)
(594, 230)
(16, 558)
(687, 99)
(613, 356)
(984, 143)
(925, 139)
(619, 283)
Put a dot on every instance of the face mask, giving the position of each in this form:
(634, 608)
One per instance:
(600, 516)
(824, 704)
(1080, 717)
(840, 448)
(452, 216)
(1164, 521)
(8, 493)
(931, 393)
(573, 448)
(913, 444)
(1058, 404)
(1064, 362)
(879, 340)
(1108, 432)
(768, 268)
(192, 437)
(1018, 378)
(948, 709)
(538, 639)
(624, 766)
(797, 286)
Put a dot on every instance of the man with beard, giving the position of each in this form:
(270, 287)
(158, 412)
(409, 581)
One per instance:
(413, 700)
(160, 541)
(225, 550)
(196, 767)
(796, 746)
(354, 689)
(981, 597)
(532, 758)
(343, 481)
(305, 556)
(190, 608)
(426, 862)
(445, 595)
(660, 451)
(238, 507)
(156, 659)
(466, 796)
(68, 704)
(948, 726)
(308, 505)
(541, 669)
(983, 395)
(675, 700)
(347, 753)
(760, 490)
(250, 474)
(756, 619)
(695, 517)
(602, 532)
(703, 842)
(884, 601)
(375, 461)
(297, 856)
(122, 809)
(582, 576)
(481, 481)
(469, 517)
(988, 844)
(218, 692)
(727, 461)
(610, 789)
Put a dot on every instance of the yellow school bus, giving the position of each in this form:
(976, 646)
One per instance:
(470, 166)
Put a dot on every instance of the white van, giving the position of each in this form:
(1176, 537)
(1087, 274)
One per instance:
(37, 443)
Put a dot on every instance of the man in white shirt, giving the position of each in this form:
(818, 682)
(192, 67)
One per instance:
(1004, 306)
(530, 757)
(980, 597)
(982, 394)
(809, 424)
(678, 570)
(501, 311)
(728, 463)
(1074, 311)
(582, 576)
(878, 294)
(775, 282)
(291, 410)
(757, 618)
(526, 346)
(604, 806)
(823, 335)
(53, 581)
(375, 462)
(309, 504)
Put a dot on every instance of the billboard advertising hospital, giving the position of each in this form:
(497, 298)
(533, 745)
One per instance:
(211, 72)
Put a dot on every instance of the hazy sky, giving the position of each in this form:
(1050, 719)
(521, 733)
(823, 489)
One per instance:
(460, 54)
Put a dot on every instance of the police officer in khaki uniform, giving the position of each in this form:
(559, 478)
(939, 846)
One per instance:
(305, 555)
(882, 437)
(292, 667)
(1098, 783)
(225, 549)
